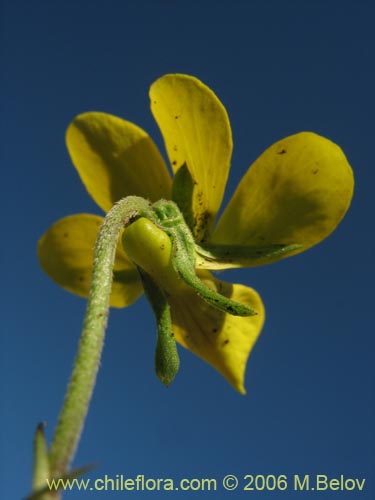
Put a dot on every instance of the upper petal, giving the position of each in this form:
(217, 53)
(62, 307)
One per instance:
(224, 341)
(296, 192)
(66, 254)
(197, 135)
(116, 158)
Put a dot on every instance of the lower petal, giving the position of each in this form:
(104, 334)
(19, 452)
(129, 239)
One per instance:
(222, 340)
(66, 253)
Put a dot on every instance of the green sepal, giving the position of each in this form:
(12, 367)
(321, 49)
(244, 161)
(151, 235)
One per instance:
(213, 298)
(167, 361)
(170, 220)
(246, 254)
(182, 193)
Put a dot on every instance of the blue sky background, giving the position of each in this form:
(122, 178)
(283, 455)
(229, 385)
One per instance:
(279, 67)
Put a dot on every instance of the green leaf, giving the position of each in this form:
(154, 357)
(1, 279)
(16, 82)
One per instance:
(47, 493)
(41, 462)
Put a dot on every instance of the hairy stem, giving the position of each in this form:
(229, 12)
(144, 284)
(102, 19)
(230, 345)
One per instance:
(82, 381)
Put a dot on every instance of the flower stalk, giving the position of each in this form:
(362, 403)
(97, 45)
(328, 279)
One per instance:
(82, 381)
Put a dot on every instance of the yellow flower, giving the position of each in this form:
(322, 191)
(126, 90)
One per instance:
(291, 198)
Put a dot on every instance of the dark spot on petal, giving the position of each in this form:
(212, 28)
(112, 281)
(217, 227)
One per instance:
(81, 279)
(281, 152)
(225, 342)
(314, 172)
(174, 162)
(201, 222)
(175, 148)
(66, 235)
(177, 117)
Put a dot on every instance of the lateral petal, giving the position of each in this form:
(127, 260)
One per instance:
(115, 158)
(66, 252)
(296, 193)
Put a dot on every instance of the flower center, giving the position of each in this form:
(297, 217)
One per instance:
(162, 245)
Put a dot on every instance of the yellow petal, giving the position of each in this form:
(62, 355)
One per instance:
(224, 341)
(196, 131)
(66, 253)
(115, 158)
(296, 192)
